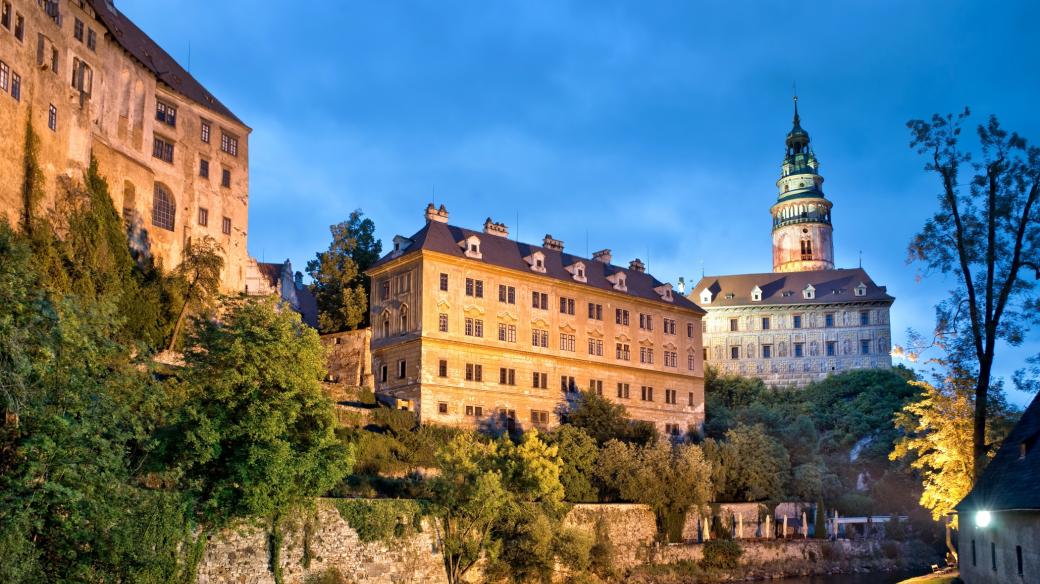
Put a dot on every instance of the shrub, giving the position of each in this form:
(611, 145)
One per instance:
(366, 396)
(381, 519)
(721, 554)
(890, 549)
(329, 576)
(832, 551)
(573, 548)
(601, 554)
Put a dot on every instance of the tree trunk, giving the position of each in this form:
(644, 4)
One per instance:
(979, 434)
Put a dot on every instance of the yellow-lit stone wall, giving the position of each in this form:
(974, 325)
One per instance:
(116, 121)
(418, 342)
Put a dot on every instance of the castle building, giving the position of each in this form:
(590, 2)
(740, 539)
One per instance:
(91, 83)
(806, 319)
(475, 329)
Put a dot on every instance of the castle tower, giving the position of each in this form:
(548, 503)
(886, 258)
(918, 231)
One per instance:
(802, 215)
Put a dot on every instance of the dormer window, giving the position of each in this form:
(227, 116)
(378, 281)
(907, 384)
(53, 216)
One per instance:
(536, 261)
(619, 281)
(706, 296)
(471, 247)
(577, 270)
(860, 290)
(809, 293)
(401, 243)
(665, 292)
(756, 294)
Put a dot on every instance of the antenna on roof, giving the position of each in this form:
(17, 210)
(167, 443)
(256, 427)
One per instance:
(189, 56)
(861, 258)
(586, 242)
(702, 268)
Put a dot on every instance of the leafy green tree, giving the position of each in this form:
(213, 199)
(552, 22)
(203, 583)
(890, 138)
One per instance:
(257, 431)
(937, 430)
(32, 177)
(749, 465)
(578, 453)
(340, 286)
(606, 420)
(199, 272)
(986, 230)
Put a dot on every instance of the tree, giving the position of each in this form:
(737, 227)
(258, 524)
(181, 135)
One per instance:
(32, 178)
(578, 453)
(199, 272)
(937, 430)
(340, 286)
(257, 430)
(984, 234)
(606, 420)
(748, 466)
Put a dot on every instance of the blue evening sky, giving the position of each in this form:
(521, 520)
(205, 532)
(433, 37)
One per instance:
(652, 128)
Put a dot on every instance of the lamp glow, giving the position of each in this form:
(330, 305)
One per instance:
(982, 518)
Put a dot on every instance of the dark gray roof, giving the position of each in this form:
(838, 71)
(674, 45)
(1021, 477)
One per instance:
(153, 57)
(1011, 482)
(782, 288)
(508, 253)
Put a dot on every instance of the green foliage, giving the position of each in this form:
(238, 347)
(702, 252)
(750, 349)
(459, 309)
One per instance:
(602, 552)
(199, 271)
(748, 466)
(275, 539)
(340, 286)
(329, 576)
(605, 420)
(578, 453)
(32, 177)
(381, 519)
(256, 434)
(574, 548)
(721, 554)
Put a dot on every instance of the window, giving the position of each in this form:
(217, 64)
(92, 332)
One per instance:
(690, 361)
(384, 290)
(799, 349)
(165, 113)
(595, 311)
(689, 330)
(622, 352)
(474, 372)
(82, 77)
(204, 131)
(5, 16)
(16, 86)
(671, 359)
(646, 355)
(567, 383)
(806, 249)
(54, 60)
(164, 208)
(507, 376)
(507, 332)
(669, 326)
(444, 282)
(993, 555)
(765, 323)
(404, 319)
(162, 150)
(646, 393)
(225, 178)
(828, 320)
(831, 348)
(672, 429)
(767, 351)
(540, 419)
(567, 342)
(689, 398)
(622, 390)
(646, 322)
(1018, 558)
(225, 226)
(539, 380)
(19, 27)
(596, 347)
(442, 368)
(228, 143)
(474, 327)
(539, 338)
(386, 325)
(621, 316)
(797, 323)
(5, 74)
(91, 40)
(566, 305)
(474, 288)
(734, 324)
(203, 216)
(864, 346)
(540, 300)
(596, 386)
(382, 374)
(475, 411)
(670, 396)
(864, 317)
(52, 118)
(204, 168)
(734, 352)
(442, 322)
(442, 407)
(77, 30)
(506, 294)
(401, 367)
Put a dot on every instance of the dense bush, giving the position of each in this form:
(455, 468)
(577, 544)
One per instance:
(381, 519)
(721, 554)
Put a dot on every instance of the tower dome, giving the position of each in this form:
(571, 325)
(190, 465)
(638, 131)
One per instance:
(802, 214)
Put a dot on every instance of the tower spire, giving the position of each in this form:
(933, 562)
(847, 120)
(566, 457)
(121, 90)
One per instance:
(797, 121)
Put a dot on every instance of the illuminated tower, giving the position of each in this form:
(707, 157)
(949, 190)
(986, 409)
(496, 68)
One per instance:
(802, 215)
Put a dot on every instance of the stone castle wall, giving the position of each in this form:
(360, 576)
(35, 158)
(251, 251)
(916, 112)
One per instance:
(350, 357)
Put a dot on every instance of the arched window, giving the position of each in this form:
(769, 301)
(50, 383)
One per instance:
(164, 208)
(404, 319)
(386, 325)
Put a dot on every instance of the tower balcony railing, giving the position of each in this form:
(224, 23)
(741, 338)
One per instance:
(803, 218)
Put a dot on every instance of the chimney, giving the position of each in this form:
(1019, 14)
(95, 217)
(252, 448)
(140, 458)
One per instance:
(550, 243)
(432, 214)
(492, 228)
(637, 265)
(602, 255)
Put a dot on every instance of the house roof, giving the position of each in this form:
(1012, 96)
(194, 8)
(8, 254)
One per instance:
(154, 58)
(1010, 481)
(507, 253)
(308, 306)
(785, 288)
(271, 272)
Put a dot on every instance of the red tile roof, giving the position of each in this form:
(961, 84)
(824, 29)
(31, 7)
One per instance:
(783, 288)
